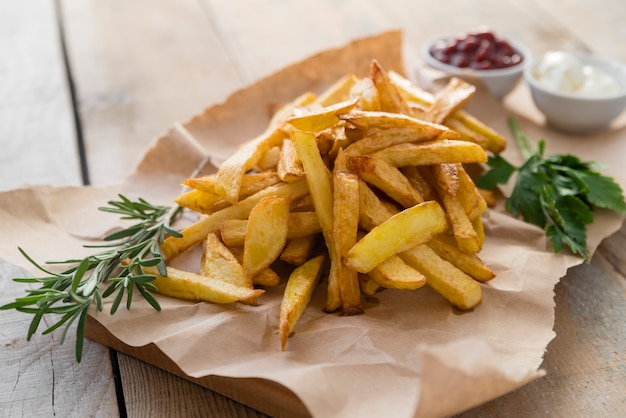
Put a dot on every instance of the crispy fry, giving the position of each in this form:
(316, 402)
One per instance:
(411, 227)
(450, 99)
(218, 261)
(323, 118)
(298, 250)
(266, 233)
(433, 152)
(346, 223)
(289, 167)
(300, 286)
(455, 286)
(190, 286)
(390, 98)
(394, 273)
(385, 177)
(445, 246)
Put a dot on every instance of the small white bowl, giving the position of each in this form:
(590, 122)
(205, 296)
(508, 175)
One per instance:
(576, 114)
(499, 82)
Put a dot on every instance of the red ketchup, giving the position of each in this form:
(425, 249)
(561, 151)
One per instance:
(480, 50)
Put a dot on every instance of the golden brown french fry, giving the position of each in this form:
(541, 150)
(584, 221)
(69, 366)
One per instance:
(455, 286)
(190, 286)
(200, 201)
(269, 160)
(250, 183)
(390, 98)
(433, 152)
(368, 286)
(298, 250)
(266, 233)
(445, 246)
(266, 277)
(411, 227)
(386, 177)
(469, 195)
(298, 291)
(372, 211)
(365, 90)
(346, 224)
(382, 139)
(455, 94)
(394, 273)
(289, 167)
(219, 262)
(338, 92)
(299, 224)
(417, 179)
(319, 183)
(368, 120)
(447, 177)
(320, 119)
(197, 232)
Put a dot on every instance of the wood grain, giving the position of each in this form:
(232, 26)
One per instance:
(35, 108)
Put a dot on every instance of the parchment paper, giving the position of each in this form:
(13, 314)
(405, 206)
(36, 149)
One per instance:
(410, 353)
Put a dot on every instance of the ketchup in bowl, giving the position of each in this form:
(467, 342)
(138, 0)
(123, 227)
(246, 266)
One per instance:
(479, 50)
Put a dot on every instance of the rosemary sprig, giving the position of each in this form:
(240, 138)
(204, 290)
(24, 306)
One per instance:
(119, 266)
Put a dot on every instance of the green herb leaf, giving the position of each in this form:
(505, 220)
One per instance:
(557, 192)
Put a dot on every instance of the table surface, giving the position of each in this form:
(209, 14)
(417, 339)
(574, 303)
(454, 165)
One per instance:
(85, 86)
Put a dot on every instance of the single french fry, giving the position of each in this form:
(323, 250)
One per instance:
(319, 183)
(318, 120)
(390, 98)
(433, 152)
(447, 178)
(394, 273)
(455, 286)
(197, 232)
(346, 224)
(455, 94)
(298, 291)
(218, 261)
(289, 167)
(367, 94)
(368, 285)
(473, 202)
(413, 174)
(298, 250)
(190, 286)
(413, 226)
(338, 92)
(200, 201)
(386, 177)
(385, 138)
(266, 277)
(445, 246)
(269, 160)
(266, 233)
(372, 211)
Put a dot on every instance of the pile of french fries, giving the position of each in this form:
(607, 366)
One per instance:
(358, 189)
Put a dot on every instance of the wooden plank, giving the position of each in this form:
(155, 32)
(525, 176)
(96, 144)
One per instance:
(41, 377)
(266, 396)
(35, 108)
(140, 66)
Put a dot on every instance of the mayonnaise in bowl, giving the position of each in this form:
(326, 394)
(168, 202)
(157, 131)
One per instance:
(565, 72)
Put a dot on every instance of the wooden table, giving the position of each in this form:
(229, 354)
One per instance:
(86, 85)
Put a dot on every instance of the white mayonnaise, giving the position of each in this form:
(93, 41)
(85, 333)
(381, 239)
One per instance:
(566, 73)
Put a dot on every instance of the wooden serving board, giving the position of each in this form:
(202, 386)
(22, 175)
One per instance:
(261, 394)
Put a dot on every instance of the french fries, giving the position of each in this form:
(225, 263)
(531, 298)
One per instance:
(360, 189)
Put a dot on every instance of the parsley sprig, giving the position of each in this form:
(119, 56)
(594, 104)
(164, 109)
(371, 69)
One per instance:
(118, 267)
(556, 192)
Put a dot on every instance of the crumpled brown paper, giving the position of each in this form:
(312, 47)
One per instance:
(410, 353)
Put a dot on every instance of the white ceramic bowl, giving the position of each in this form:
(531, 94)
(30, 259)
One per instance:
(499, 82)
(572, 113)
